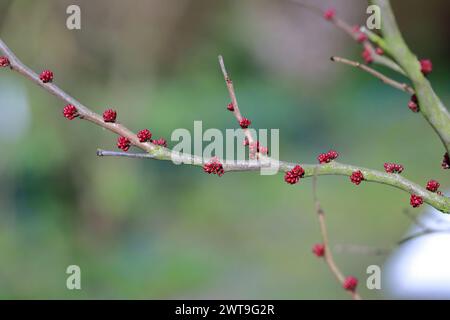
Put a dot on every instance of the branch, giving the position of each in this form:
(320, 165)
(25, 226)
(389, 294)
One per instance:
(84, 112)
(232, 93)
(397, 85)
(349, 30)
(439, 202)
(431, 106)
(328, 256)
(442, 203)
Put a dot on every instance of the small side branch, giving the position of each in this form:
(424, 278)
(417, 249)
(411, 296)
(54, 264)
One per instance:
(349, 30)
(328, 255)
(385, 79)
(232, 93)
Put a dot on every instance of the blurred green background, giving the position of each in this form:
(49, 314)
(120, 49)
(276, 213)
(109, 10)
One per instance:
(149, 229)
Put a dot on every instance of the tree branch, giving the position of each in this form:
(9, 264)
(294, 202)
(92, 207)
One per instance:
(232, 93)
(439, 202)
(348, 29)
(84, 112)
(397, 85)
(328, 255)
(431, 106)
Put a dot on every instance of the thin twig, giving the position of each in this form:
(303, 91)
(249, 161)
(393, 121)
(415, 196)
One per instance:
(349, 30)
(385, 79)
(84, 112)
(328, 256)
(232, 93)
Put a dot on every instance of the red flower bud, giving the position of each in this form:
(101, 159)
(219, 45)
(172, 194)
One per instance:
(367, 56)
(294, 175)
(393, 167)
(70, 112)
(361, 37)
(214, 166)
(433, 185)
(144, 135)
(327, 157)
(319, 249)
(357, 177)
(123, 143)
(46, 76)
(379, 51)
(416, 201)
(4, 61)
(160, 142)
(426, 66)
(350, 283)
(245, 123)
(329, 14)
(109, 115)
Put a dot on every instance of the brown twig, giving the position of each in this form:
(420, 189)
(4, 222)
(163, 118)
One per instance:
(385, 79)
(328, 256)
(349, 30)
(232, 93)
(84, 112)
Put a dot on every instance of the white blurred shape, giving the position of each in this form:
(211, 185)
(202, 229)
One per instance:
(420, 268)
(14, 111)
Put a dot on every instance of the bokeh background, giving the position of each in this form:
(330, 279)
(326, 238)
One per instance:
(149, 229)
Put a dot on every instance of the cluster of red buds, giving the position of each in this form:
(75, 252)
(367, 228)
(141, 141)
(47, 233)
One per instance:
(379, 51)
(245, 123)
(361, 37)
(294, 175)
(230, 106)
(426, 66)
(70, 112)
(319, 249)
(123, 143)
(413, 104)
(160, 142)
(367, 56)
(109, 115)
(144, 135)
(350, 283)
(327, 157)
(356, 177)
(46, 76)
(433, 185)
(416, 201)
(329, 14)
(4, 61)
(393, 167)
(214, 166)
